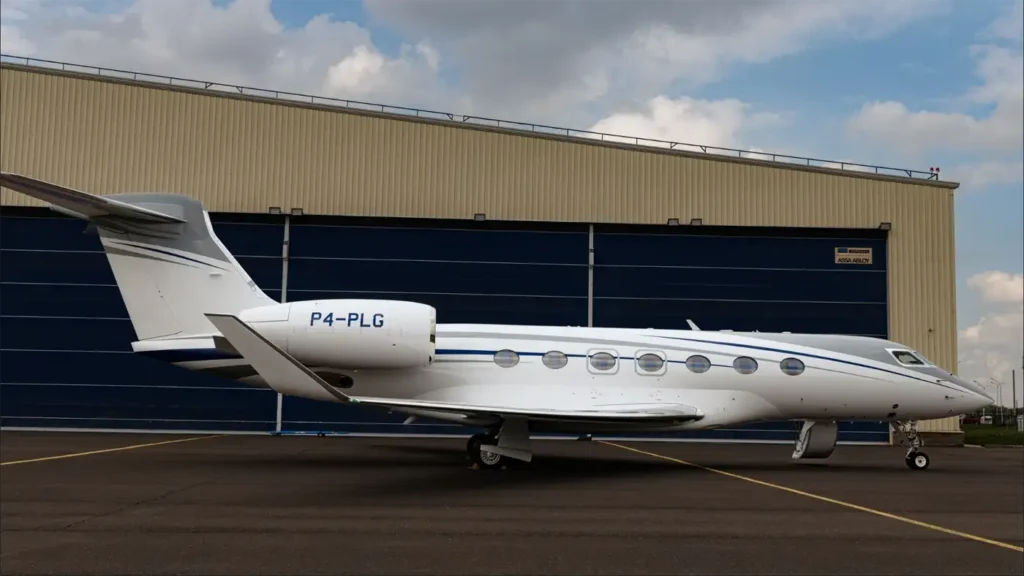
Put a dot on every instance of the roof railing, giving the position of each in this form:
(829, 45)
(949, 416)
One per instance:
(158, 79)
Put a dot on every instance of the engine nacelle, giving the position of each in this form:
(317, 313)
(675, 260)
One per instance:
(350, 334)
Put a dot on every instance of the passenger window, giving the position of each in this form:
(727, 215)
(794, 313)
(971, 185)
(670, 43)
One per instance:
(792, 366)
(745, 365)
(908, 358)
(555, 360)
(602, 361)
(698, 364)
(651, 362)
(506, 358)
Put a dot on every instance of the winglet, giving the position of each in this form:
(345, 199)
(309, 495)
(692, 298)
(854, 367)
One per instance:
(282, 372)
(81, 204)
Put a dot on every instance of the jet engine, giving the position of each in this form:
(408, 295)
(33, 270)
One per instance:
(349, 334)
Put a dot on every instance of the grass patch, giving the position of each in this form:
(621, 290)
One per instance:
(992, 434)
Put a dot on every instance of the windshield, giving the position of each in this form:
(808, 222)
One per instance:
(908, 358)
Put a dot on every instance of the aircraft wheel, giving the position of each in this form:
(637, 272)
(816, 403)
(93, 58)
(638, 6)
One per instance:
(486, 460)
(917, 461)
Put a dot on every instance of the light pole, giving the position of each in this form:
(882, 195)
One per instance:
(986, 386)
(1013, 386)
(999, 397)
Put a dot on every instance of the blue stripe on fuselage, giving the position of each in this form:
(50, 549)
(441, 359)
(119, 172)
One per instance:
(199, 354)
(804, 354)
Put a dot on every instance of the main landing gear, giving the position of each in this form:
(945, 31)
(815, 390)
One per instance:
(915, 458)
(484, 459)
(494, 450)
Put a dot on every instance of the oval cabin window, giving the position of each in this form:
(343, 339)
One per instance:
(745, 365)
(602, 361)
(555, 360)
(792, 366)
(506, 358)
(650, 362)
(698, 364)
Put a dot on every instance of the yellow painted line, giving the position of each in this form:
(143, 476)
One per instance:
(119, 449)
(825, 499)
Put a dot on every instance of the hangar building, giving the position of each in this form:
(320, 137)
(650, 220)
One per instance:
(487, 221)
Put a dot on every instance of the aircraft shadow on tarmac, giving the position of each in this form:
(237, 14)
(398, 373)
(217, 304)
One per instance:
(379, 472)
(574, 460)
(616, 461)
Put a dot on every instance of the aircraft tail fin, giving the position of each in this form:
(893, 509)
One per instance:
(169, 265)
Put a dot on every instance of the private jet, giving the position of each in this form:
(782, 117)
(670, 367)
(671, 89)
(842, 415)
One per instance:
(193, 305)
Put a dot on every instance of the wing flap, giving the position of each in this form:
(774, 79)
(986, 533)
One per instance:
(288, 376)
(81, 204)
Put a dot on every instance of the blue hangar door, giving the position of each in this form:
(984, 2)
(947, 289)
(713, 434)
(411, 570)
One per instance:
(745, 279)
(66, 361)
(477, 272)
(65, 337)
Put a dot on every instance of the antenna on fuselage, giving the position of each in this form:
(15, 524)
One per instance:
(693, 326)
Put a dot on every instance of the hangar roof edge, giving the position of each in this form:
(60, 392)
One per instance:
(586, 137)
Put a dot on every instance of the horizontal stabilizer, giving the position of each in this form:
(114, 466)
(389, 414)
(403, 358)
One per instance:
(288, 376)
(81, 204)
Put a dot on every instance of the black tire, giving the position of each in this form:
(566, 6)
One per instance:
(486, 460)
(918, 461)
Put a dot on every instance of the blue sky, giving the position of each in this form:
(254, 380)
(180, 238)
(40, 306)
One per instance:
(846, 80)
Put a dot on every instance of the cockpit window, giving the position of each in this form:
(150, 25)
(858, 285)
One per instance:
(908, 358)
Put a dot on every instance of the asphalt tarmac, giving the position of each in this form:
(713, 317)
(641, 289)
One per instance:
(301, 505)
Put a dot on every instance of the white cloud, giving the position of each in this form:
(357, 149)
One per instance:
(14, 43)
(237, 43)
(894, 125)
(571, 63)
(1012, 26)
(1001, 71)
(14, 9)
(687, 120)
(367, 74)
(996, 287)
(979, 175)
(555, 62)
(993, 346)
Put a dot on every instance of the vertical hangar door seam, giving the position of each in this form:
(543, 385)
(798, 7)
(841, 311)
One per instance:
(486, 272)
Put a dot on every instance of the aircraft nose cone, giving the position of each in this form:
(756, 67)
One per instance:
(979, 401)
(978, 398)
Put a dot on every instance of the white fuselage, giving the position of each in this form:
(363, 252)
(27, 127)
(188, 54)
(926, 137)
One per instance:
(463, 369)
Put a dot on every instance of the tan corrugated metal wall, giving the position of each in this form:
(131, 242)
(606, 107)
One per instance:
(240, 155)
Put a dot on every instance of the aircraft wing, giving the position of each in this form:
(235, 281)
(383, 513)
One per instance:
(289, 376)
(651, 414)
(81, 204)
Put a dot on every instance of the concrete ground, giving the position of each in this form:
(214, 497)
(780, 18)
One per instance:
(301, 505)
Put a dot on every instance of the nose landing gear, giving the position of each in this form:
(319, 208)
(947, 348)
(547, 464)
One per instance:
(915, 458)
